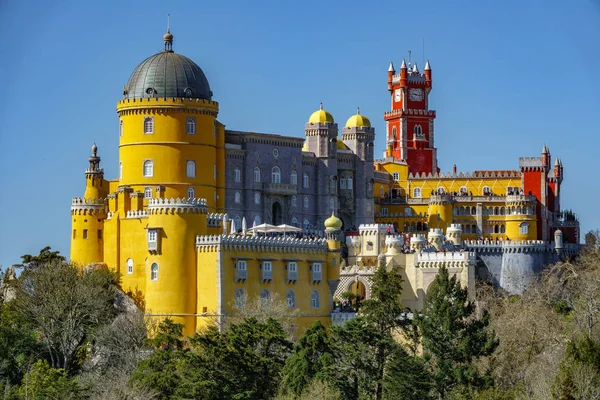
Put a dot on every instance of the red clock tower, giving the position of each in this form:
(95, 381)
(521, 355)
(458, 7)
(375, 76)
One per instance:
(410, 122)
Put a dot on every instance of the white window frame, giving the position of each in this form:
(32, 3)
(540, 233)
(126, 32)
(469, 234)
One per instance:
(154, 271)
(315, 301)
(305, 201)
(148, 168)
(191, 193)
(275, 153)
(524, 228)
(290, 298)
(349, 183)
(237, 197)
(381, 191)
(148, 192)
(305, 180)
(396, 176)
(383, 212)
(267, 270)
(418, 130)
(294, 177)
(190, 168)
(257, 178)
(241, 270)
(342, 183)
(465, 191)
(148, 125)
(440, 190)
(486, 190)
(237, 174)
(237, 220)
(190, 125)
(317, 272)
(276, 174)
(129, 266)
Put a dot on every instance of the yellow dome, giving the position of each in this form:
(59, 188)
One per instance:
(341, 145)
(333, 222)
(358, 121)
(320, 116)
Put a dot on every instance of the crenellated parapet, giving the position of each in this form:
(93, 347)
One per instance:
(508, 246)
(81, 206)
(215, 220)
(177, 206)
(134, 214)
(208, 243)
(445, 259)
(440, 199)
(155, 105)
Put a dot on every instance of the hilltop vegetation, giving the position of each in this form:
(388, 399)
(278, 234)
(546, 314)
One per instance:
(68, 333)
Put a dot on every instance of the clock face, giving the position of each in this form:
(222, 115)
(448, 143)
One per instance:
(397, 95)
(415, 94)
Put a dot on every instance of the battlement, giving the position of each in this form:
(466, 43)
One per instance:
(82, 206)
(419, 237)
(524, 198)
(261, 244)
(508, 246)
(172, 206)
(215, 220)
(403, 113)
(530, 162)
(372, 228)
(448, 259)
(136, 214)
(165, 101)
(466, 175)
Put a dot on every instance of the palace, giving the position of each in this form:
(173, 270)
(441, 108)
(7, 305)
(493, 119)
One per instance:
(173, 223)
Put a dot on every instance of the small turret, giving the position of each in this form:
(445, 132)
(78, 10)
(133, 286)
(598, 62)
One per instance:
(333, 229)
(391, 73)
(95, 187)
(545, 156)
(557, 169)
(427, 72)
(558, 240)
(453, 234)
(403, 73)
(415, 69)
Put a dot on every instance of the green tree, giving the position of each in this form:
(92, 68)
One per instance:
(312, 360)
(452, 338)
(43, 382)
(160, 372)
(45, 257)
(407, 377)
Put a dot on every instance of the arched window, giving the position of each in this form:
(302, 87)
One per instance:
(130, 266)
(524, 228)
(237, 174)
(306, 224)
(486, 190)
(349, 183)
(275, 175)
(120, 170)
(257, 220)
(148, 192)
(417, 193)
(121, 128)
(467, 228)
(294, 177)
(295, 221)
(369, 187)
(418, 130)
(314, 299)
(473, 210)
(305, 181)
(496, 211)
(474, 229)
(256, 174)
(290, 298)
(332, 204)
(264, 296)
(519, 210)
(502, 229)
(496, 229)
(463, 190)
(238, 197)
(394, 133)
(256, 197)
(369, 150)
(154, 272)
(502, 211)
(440, 190)
(381, 191)
(148, 169)
(190, 125)
(191, 193)
(305, 201)
(238, 222)
(240, 298)
(294, 201)
(190, 169)
(148, 125)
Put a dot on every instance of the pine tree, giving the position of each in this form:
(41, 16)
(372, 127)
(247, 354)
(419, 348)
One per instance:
(312, 360)
(452, 338)
(407, 377)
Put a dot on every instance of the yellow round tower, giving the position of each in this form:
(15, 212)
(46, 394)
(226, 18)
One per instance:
(170, 144)
(521, 222)
(88, 215)
(440, 211)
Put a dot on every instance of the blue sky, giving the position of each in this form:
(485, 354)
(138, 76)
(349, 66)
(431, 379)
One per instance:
(508, 77)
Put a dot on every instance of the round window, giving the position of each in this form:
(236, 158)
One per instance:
(275, 153)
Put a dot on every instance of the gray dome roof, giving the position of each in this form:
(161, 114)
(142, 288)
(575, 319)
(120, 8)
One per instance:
(168, 74)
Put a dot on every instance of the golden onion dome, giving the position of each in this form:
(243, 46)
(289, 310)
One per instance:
(333, 222)
(320, 116)
(358, 121)
(341, 145)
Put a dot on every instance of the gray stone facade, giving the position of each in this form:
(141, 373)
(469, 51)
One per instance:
(329, 177)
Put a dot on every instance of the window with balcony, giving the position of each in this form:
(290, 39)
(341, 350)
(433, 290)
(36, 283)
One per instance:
(148, 125)
(440, 190)
(190, 125)
(381, 191)
(148, 169)
(290, 298)
(237, 174)
(129, 266)
(316, 272)
(305, 181)
(191, 193)
(240, 298)
(147, 192)
(241, 270)
(292, 270)
(418, 130)
(417, 193)
(314, 299)
(154, 272)
(256, 174)
(276, 175)
(294, 177)
(267, 270)
(152, 239)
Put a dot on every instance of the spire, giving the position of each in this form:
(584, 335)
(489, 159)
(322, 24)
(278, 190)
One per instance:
(403, 66)
(391, 68)
(545, 149)
(556, 162)
(168, 38)
(427, 67)
(415, 70)
(559, 161)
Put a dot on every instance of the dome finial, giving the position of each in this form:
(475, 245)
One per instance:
(321, 106)
(95, 150)
(168, 37)
(357, 110)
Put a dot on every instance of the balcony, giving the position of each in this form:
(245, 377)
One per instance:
(292, 276)
(241, 274)
(283, 189)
